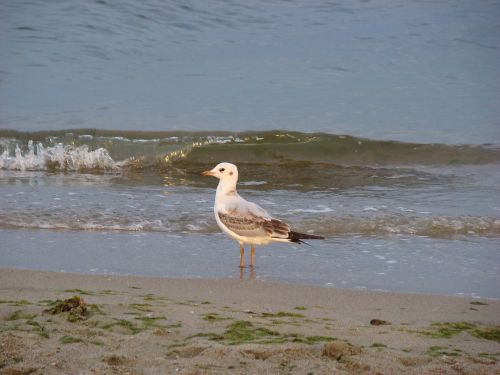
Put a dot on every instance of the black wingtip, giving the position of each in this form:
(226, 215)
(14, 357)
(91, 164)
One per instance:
(298, 237)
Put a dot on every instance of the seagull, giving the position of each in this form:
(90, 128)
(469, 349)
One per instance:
(245, 221)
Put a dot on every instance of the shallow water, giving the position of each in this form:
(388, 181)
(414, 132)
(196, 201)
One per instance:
(428, 228)
(396, 263)
(433, 201)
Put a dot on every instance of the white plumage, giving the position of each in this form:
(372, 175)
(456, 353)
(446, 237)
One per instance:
(245, 221)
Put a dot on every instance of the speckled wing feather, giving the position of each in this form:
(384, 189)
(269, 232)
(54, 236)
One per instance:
(254, 226)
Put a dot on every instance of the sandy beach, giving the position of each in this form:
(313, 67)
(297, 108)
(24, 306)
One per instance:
(134, 325)
(370, 128)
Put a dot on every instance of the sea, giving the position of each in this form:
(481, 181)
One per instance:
(373, 123)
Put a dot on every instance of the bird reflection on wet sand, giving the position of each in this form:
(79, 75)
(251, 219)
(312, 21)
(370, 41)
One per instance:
(251, 273)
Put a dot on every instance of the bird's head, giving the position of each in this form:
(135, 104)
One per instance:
(223, 171)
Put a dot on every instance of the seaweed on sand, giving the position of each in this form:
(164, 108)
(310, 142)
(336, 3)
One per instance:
(74, 306)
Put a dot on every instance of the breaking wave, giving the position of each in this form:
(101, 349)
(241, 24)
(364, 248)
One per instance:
(36, 157)
(111, 150)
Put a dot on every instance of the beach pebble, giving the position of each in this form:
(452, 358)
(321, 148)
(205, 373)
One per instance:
(379, 322)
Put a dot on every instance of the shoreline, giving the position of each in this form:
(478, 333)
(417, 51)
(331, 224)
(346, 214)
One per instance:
(384, 264)
(145, 325)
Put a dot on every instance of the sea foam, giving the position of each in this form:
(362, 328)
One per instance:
(36, 157)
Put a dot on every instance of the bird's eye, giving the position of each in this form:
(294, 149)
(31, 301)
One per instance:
(221, 170)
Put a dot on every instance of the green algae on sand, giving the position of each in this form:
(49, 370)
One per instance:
(448, 329)
(74, 306)
(242, 331)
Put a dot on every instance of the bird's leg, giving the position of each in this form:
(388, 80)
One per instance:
(242, 256)
(252, 255)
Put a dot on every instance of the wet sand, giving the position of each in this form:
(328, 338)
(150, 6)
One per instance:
(137, 325)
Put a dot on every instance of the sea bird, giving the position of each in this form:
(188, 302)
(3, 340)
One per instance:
(245, 221)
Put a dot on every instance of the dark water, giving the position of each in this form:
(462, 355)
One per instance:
(390, 140)
(417, 71)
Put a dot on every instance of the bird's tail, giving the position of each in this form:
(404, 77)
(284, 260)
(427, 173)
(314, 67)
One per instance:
(298, 237)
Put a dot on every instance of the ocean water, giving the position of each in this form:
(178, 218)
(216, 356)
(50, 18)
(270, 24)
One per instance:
(389, 140)
(396, 216)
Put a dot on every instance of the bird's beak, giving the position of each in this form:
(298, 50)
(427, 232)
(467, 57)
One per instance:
(207, 173)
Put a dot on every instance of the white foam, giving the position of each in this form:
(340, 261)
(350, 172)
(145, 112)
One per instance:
(86, 137)
(115, 138)
(253, 183)
(222, 140)
(61, 157)
(154, 140)
(170, 139)
(193, 227)
(320, 209)
(404, 209)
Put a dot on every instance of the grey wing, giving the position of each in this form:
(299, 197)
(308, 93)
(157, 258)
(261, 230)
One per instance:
(256, 210)
(275, 228)
(250, 225)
